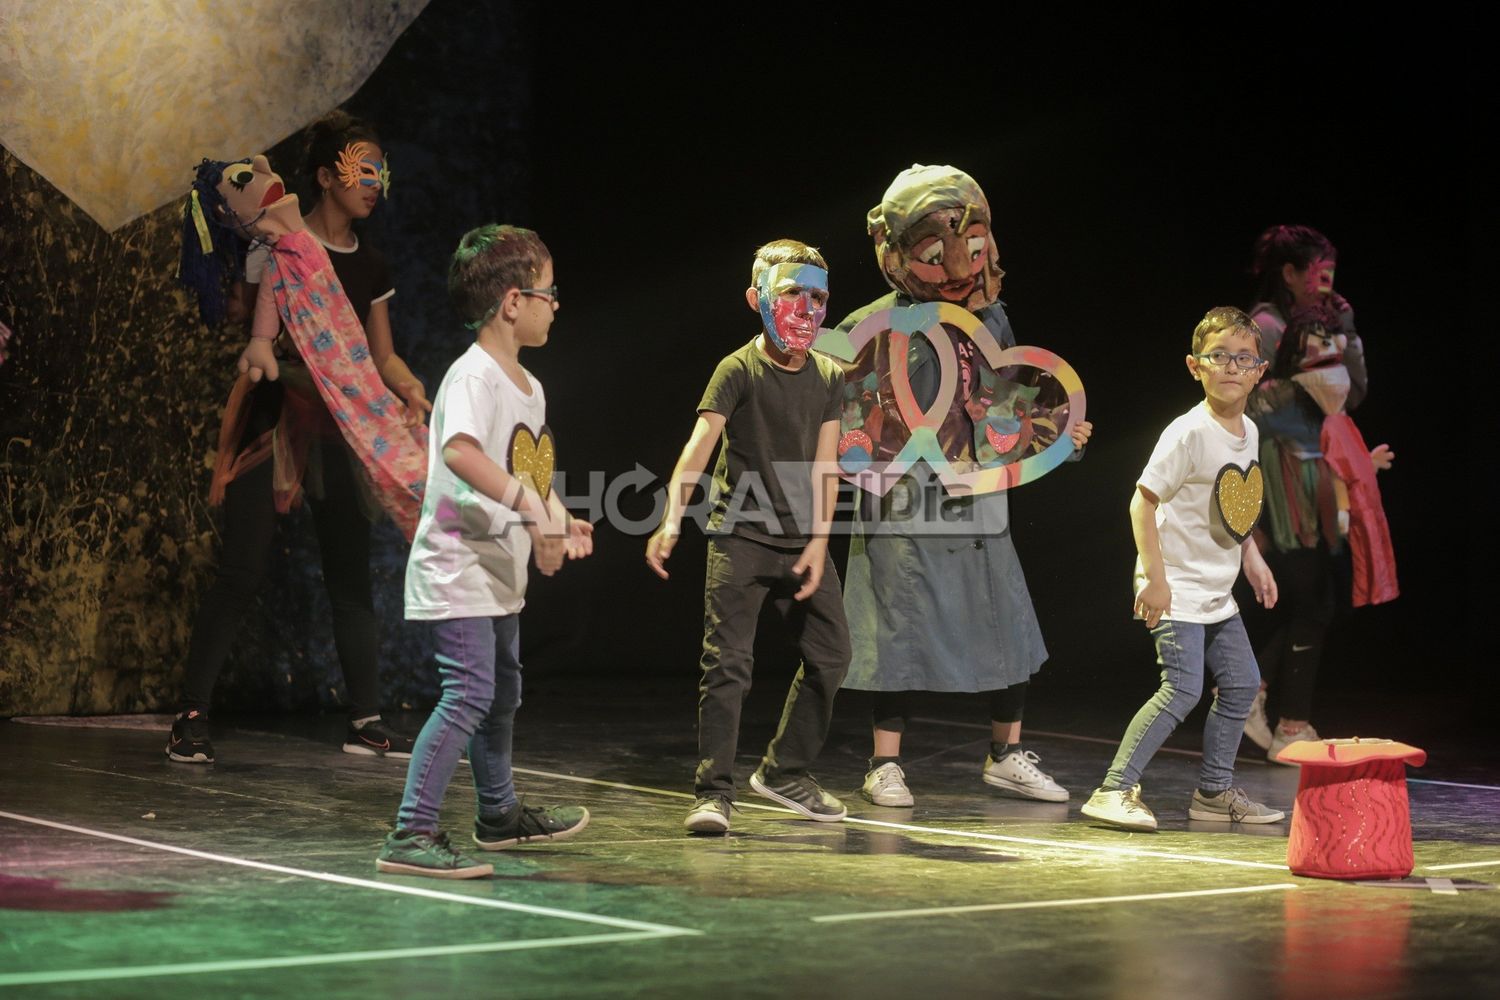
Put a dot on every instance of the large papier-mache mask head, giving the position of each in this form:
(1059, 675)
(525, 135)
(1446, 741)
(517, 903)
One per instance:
(933, 240)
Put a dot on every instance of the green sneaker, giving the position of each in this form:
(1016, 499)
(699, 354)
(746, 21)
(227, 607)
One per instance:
(525, 824)
(407, 852)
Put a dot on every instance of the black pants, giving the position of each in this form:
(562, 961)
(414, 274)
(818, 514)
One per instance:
(893, 709)
(742, 576)
(344, 543)
(1290, 656)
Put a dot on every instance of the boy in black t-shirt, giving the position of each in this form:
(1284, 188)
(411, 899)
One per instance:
(775, 405)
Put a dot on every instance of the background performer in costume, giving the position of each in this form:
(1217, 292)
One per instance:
(1324, 520)
(280, 441)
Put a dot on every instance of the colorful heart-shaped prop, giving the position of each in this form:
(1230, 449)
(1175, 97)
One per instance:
(533, 459)
(1238, 495)
(884, 430)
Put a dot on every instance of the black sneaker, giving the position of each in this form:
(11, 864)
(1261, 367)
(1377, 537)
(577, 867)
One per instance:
(406, 852)
(523, 824)
(376, 739)
(800, 793)
(189, 741)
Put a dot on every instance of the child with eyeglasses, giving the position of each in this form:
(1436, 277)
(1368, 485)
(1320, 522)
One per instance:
(489, 508)
(1193, 511)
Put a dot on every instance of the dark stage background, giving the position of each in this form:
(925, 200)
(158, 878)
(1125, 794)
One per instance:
(1130, 164)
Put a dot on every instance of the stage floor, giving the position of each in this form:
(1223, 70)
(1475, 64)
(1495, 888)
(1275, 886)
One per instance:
(123, 874)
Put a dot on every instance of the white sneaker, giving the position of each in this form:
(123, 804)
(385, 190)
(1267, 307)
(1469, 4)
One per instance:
(1257, 729)
(1283, 740)
(710, 814)
(1120, 807)
(1017, 774)
(886, 786)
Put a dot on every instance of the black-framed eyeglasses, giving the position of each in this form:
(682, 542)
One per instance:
(549, 293)
(1243, 361)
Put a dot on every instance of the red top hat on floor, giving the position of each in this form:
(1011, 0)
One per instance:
(1351, 819)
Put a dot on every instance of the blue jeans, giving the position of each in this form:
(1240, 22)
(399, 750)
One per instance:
(480, 669)
(1182, 650)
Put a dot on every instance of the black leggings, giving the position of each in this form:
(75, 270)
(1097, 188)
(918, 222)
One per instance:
(893, 708)
(1305, 605)
(344, 543)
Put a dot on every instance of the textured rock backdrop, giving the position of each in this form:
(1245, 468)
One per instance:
(110, 397)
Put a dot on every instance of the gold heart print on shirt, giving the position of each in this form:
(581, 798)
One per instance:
(533, 459)
(1239, 495)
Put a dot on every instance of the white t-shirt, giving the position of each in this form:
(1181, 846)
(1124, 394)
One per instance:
(1200, 555)
(468, 559)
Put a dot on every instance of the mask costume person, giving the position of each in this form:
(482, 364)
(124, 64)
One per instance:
(301, 293)
(936, 600)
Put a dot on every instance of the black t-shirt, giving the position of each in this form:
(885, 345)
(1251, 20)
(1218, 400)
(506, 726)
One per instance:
(762, 482)
(364, 274)
(366, 279)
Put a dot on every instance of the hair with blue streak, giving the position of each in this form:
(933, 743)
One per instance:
(206, 273)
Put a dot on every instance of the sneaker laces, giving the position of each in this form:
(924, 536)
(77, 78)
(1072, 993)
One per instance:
(889, 774)
(1028, 760)
(1131, 799)
(1238, 804)
(725, 803)
(442, 846)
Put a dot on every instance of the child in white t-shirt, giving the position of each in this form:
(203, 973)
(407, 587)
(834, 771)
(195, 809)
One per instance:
(489, 507)
(1193, 511)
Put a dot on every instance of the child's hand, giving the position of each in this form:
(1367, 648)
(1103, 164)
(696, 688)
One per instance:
(259, 359)
(414, 394)
(1262, 583)
(1080, 434)
(580, 540)
(1155, 600)
(809, 566)
(659, 547)
(548, 551)
(1381, 457)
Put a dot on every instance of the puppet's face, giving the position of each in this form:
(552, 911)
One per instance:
(256, 196)
(1320, 348)
(947, 257)
(793, 301)
(359, 177)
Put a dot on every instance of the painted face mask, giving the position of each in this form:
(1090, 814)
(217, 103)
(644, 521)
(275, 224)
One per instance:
(793, 303)
(933, 240)
(358, 166)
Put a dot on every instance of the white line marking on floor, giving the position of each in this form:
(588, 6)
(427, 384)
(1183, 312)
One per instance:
(407, 890)
(1045, 904)
(1452, 784)
(1466, 864)
(157, 780)
(939, 831)
(297, 961)
(1185, 753)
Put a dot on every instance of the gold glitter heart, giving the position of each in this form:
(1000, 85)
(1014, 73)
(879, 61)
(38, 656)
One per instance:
(533, 459)
(1238, 495)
